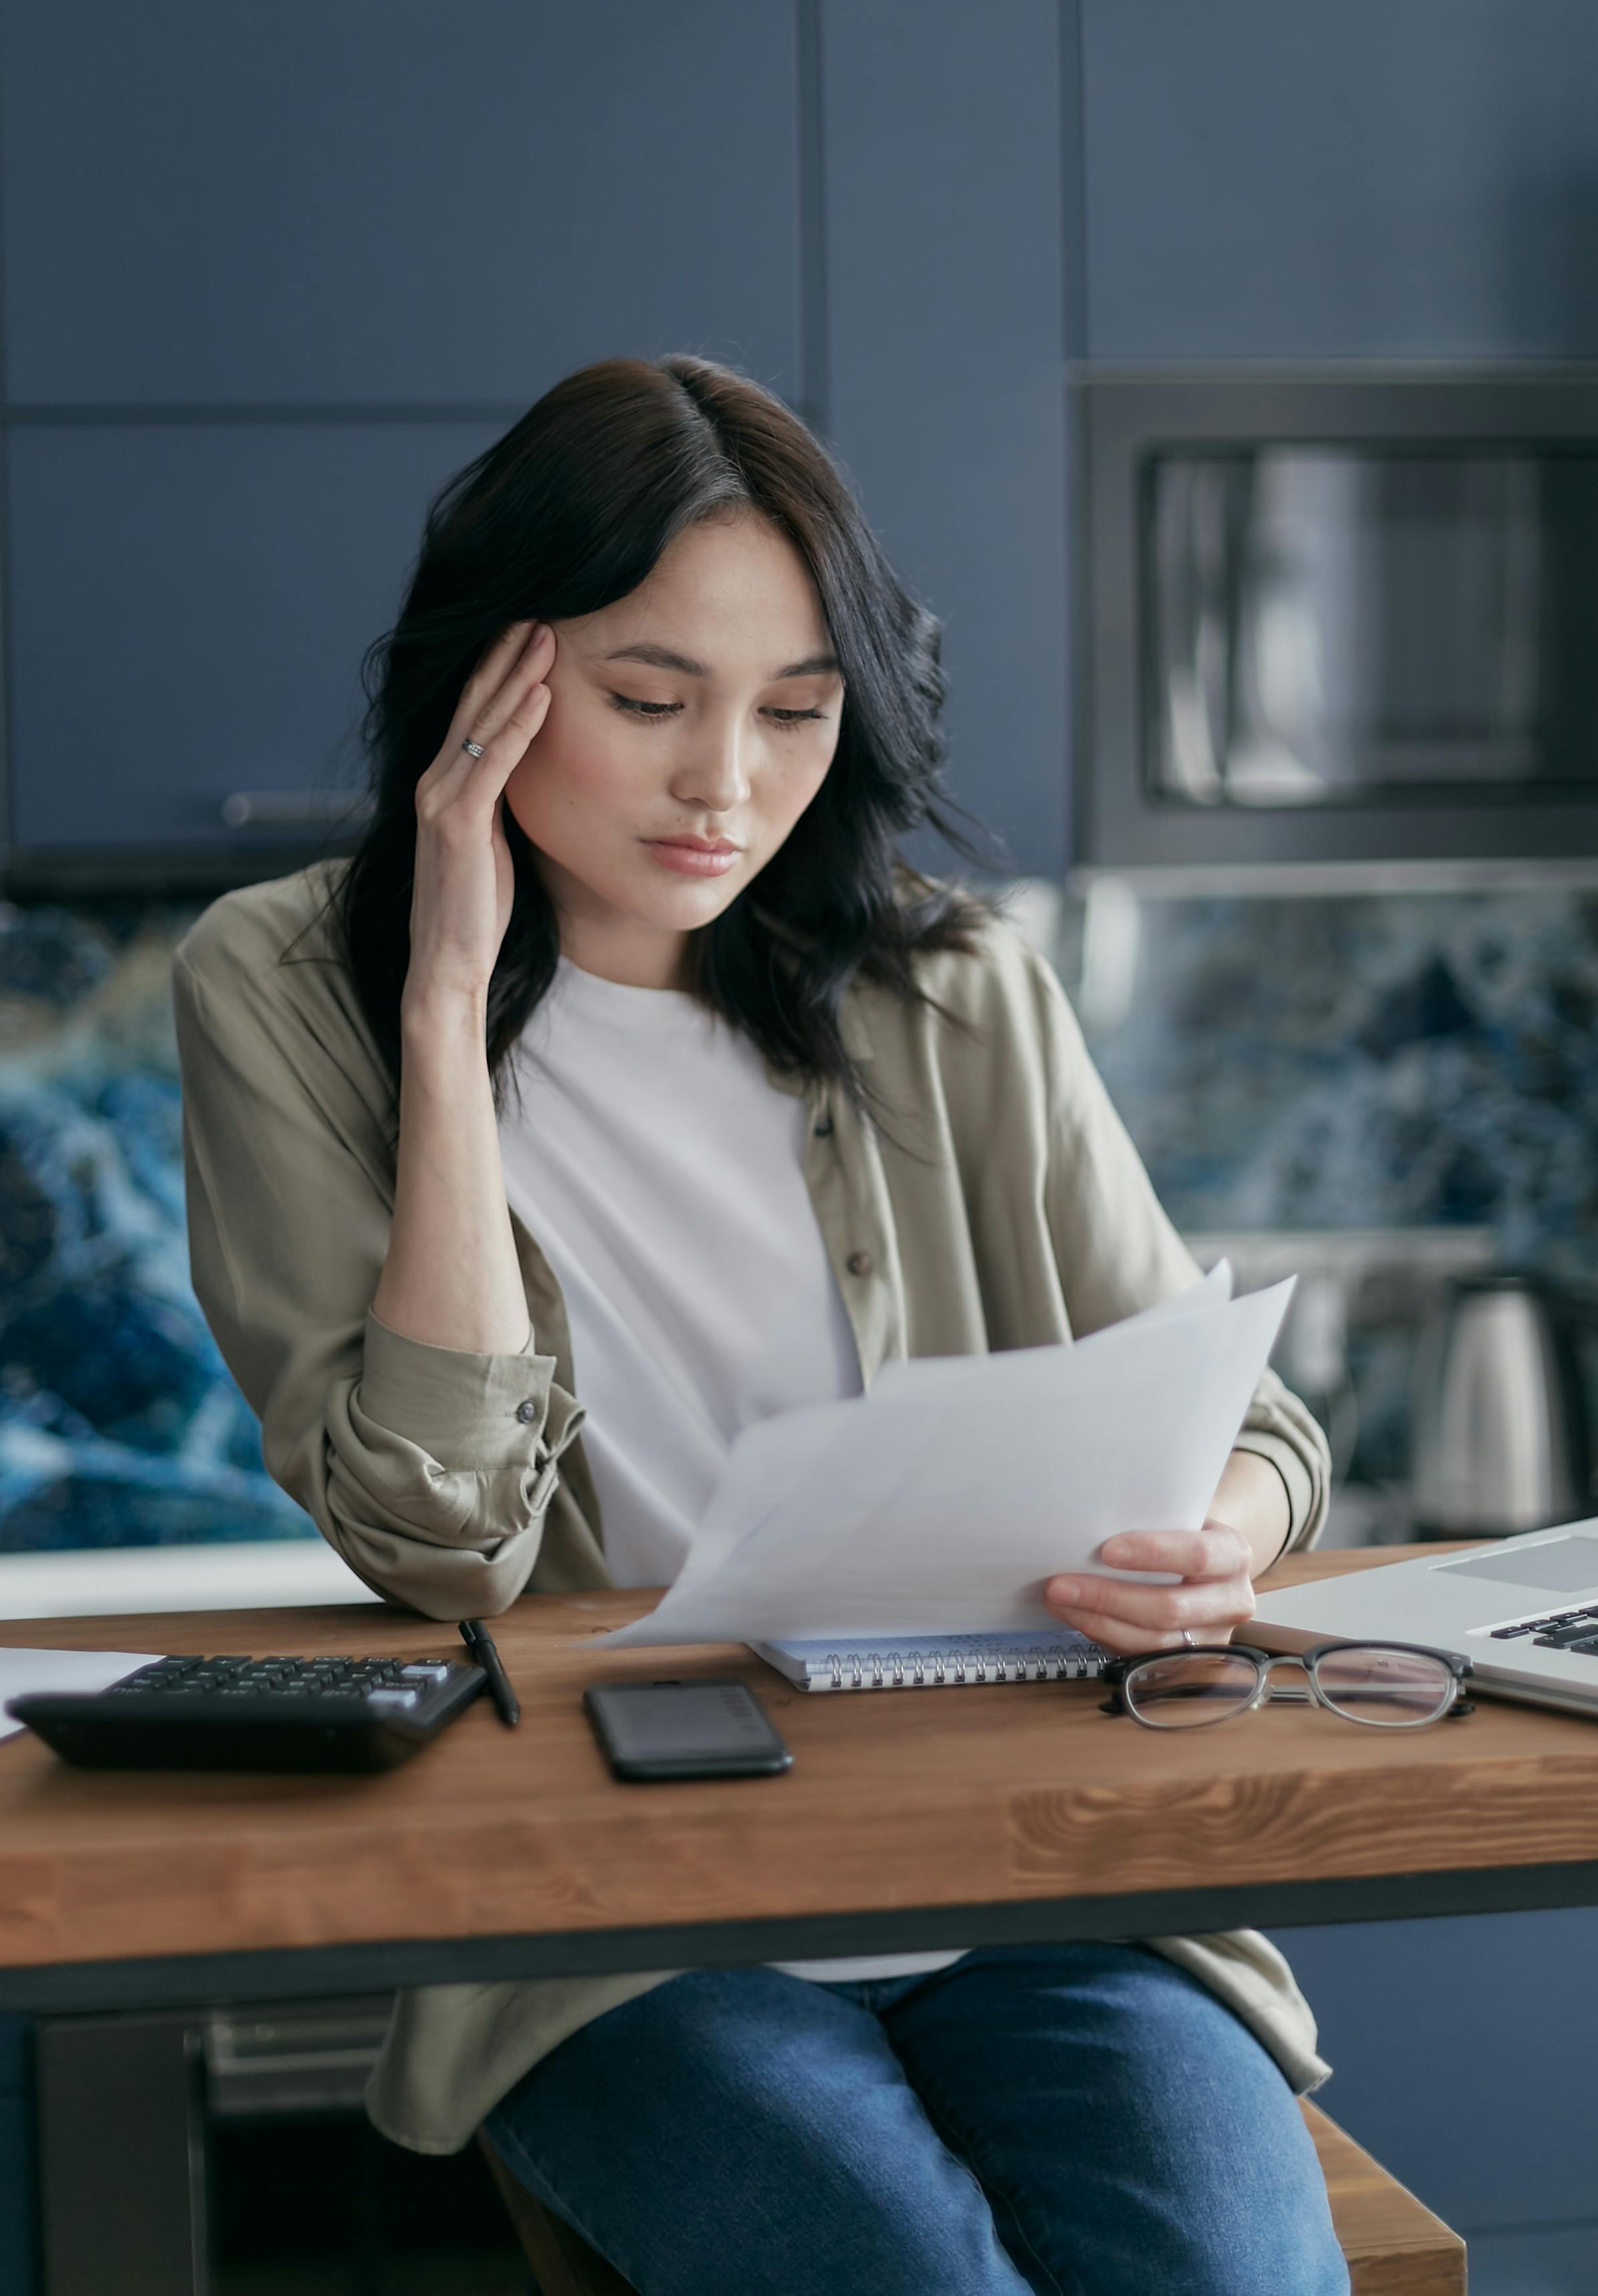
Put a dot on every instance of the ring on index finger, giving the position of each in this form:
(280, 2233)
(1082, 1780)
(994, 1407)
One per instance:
(472, 749)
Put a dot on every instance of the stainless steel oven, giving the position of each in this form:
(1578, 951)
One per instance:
(1340, 616)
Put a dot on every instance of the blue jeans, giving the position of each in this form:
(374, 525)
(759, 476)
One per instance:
(1085, 2119)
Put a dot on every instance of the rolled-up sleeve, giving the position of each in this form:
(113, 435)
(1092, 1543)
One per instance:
(1118, 1251)
(429, 1469)
(1284, 1431)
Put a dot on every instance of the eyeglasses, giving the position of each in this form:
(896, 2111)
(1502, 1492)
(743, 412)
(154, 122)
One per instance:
(1392, 1685)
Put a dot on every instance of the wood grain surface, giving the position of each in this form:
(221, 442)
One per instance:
(896, 1799)
(1394, 2244)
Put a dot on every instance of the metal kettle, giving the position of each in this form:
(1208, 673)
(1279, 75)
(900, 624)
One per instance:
(1504, 1426)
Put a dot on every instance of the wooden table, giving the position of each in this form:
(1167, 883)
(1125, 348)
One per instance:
(131, 1902)
(911, 1819)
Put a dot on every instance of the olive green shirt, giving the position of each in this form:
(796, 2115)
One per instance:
(991, 1200)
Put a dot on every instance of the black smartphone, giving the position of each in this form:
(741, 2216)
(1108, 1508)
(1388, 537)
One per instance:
(685, 1730)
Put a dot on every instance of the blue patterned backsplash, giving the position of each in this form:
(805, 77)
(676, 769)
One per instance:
(1393, 1061)
(119, 1426)
(1314, 1064)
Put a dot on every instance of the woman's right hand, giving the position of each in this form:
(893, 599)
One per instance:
(461, 903)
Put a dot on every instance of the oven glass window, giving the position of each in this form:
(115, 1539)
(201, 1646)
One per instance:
(1325, 625)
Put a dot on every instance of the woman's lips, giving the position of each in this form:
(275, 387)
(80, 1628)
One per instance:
(692, 860)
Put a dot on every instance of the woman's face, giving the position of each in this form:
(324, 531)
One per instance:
(689, 725)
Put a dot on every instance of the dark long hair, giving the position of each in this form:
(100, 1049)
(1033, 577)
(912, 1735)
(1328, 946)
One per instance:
(571, 511)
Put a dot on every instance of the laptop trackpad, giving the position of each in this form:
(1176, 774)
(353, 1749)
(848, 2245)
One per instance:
(1560, 1566)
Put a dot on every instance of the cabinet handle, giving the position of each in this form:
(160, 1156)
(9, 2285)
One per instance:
(294, 808)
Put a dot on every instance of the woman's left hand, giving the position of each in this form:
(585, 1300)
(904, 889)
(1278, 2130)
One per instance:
(1215, 1593)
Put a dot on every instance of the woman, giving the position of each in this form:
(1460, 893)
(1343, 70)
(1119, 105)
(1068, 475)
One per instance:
(624, 1060)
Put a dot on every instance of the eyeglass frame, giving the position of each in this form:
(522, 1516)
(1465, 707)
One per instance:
(1115, 1671)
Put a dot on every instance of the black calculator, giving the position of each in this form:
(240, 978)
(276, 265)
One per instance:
(256, 1713)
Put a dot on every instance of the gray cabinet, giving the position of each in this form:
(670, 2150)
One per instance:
(945, 264)
(1365, 180)
(390, 200)
(271, 274)
(189, 607)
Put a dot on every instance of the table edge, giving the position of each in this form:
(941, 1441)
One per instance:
(384, 1965)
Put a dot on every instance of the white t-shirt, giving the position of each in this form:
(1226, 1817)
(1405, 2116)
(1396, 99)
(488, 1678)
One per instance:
(663, 1176)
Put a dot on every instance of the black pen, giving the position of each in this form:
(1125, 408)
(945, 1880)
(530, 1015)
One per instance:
(480, 1642)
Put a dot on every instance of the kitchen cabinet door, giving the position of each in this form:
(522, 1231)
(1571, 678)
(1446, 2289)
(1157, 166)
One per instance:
(189, 605)
(1380, 178)
(292, 202)
(945, 265)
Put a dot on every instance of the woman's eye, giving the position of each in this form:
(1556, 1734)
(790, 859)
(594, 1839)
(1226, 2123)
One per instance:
(646, 708)
(794, 717)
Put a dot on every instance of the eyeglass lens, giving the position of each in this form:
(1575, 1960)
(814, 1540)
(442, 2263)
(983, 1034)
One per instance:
(1391, 1686)
(1188, 1689)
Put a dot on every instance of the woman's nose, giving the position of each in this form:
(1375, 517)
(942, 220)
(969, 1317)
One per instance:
(715, 774)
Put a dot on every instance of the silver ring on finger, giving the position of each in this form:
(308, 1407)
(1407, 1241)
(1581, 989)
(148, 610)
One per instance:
(472, 749)
(1187, 1638)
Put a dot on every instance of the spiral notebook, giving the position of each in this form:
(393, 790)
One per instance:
(934, 1662)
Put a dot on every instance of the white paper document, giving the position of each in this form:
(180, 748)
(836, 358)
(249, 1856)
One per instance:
(939, 1503)
(24, 1671)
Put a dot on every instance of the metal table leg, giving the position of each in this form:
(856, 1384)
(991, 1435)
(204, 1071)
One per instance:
(122, 2156)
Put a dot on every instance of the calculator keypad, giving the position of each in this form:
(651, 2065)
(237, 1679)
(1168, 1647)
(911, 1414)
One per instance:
(394, 1685)
(272, 1713)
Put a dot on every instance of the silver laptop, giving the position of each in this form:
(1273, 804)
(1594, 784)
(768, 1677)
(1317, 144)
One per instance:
(1524, 1612)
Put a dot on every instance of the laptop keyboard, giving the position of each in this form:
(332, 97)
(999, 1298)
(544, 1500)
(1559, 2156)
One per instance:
(1566, 1630)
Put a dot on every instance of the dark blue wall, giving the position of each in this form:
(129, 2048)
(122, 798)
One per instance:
(1463, 2054)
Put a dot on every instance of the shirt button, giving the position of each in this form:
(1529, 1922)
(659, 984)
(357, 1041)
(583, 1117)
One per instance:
(824, 1129)
(527, 1413)
(858, 1262)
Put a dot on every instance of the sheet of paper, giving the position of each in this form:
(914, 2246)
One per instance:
(23, 1671)
(767, 1462)
(941, 1509)
(929, 1375)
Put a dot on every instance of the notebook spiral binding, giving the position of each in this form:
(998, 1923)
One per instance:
(892, 1669)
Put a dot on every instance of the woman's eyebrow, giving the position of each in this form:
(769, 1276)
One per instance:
(659, 658)
(662, 657)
